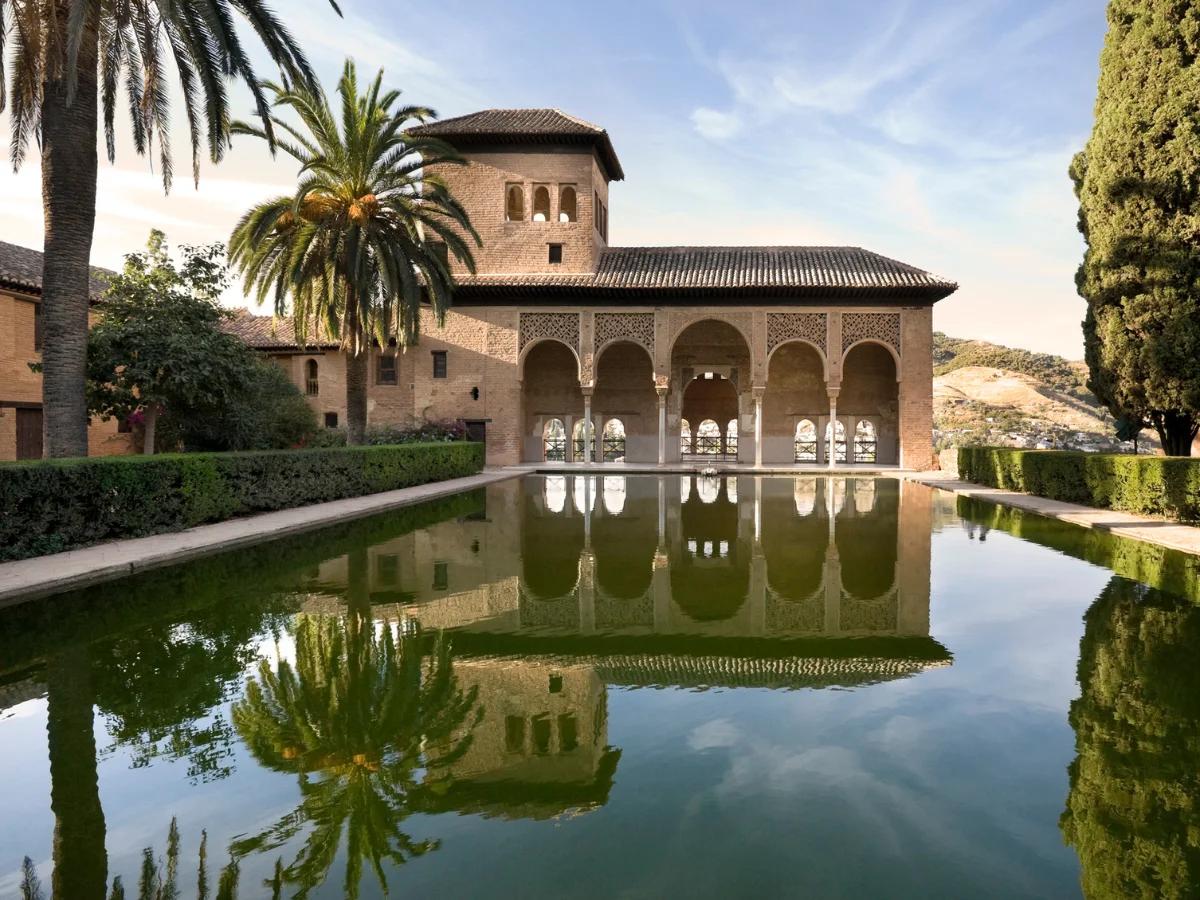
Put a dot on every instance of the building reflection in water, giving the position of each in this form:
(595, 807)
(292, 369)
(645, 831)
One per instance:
(688, 582)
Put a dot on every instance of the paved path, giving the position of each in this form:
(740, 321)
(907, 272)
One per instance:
(1138, 528)
(28, 579)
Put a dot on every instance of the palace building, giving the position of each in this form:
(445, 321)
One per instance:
(764, 355)
(562, 348)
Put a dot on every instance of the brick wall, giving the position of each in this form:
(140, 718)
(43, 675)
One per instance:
(522, 246)
(916, 390)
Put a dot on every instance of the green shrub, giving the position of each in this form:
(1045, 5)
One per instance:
(53, 505)
(1148, 485)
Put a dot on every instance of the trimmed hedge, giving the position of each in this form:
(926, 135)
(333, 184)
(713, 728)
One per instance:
(1148, 485)
(53, 505)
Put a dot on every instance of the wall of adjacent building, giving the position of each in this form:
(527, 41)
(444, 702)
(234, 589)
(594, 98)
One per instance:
(20, 386)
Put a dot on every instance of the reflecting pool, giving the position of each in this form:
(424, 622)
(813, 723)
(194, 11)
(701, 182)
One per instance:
(569, 686)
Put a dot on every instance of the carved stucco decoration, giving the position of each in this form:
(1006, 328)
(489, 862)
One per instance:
(559, 326)
(635, 327)
(742, 321)
(882, 327)
(784, 327)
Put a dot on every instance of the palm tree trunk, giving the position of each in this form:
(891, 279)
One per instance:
(356, 376)
(80, 859)
(69, 162)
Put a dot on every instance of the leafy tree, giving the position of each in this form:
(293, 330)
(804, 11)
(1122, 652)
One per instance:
(159, 343)
(68, 61)
(1138, 184)
(270, 413)
(1133, 812)
(354, 248)
(376, 722)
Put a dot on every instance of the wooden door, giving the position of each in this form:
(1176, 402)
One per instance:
(477, 430)
(29, 434)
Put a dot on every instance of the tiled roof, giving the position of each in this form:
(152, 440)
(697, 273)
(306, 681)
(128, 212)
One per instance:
(271, 333)
(525, 126)
(21, 269)
(764, 273)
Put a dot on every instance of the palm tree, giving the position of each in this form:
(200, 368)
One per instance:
(374, 720)
(68, 61)
(358, 246)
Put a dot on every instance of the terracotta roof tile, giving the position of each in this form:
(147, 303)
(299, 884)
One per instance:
(769, 272)
(535, 126)
(271, 333)
(21, 269)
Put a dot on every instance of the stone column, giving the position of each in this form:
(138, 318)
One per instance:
(587, 426)
(662, 514)
(758, 426)
(661, 591)
(662, 426)
(587, 593)
(758, 592)
(831, 444)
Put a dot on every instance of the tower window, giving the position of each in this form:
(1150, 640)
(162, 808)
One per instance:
(331, 420)
(387, 369)
(541, 204)
(439, 363)
(515, 204)
(312, 385)
(568, 204)
(556, 253)
(37, 327)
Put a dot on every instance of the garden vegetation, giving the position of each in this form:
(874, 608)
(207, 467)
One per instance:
(1146, 485)
(49, 506)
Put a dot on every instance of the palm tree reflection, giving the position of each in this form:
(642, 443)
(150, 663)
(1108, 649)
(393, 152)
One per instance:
(370, 724)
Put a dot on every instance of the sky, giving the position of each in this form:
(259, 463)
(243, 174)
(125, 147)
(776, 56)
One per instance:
(936, 132)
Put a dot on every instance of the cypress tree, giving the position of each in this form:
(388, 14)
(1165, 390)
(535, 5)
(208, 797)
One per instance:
(1138, 184)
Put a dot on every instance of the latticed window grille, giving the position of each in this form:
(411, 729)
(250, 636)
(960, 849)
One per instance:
(866, 443)
(554, 441)
(613, 443)
(806, 442)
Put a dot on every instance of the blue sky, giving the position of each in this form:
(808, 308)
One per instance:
(935, 132)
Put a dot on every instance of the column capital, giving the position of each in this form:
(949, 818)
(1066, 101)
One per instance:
(587, 390)
(833, 390)
(758, 391)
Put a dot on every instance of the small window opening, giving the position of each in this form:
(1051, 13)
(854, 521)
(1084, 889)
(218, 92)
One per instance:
(541, 734)
(568, 733)
(556, 684)
(387, 570)
(441, 576)
(515, 206)
(556, 253)
(439, 363)
(37, 328)
(331, 420)
(541, 204)
(387, 369)
(312, 386)
(568, 205)
(514, 734)
(124, 426)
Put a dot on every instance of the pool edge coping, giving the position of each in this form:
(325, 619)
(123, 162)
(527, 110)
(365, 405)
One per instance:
(1160, 532)
(25, 580)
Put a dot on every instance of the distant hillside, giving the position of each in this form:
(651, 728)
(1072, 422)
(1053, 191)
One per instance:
(988, 394)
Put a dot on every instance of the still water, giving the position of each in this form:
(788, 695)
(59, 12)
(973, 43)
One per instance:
(634, 687)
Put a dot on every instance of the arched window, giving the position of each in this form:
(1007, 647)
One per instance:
(840, 445)
(554, 441)
(312, 385)
(685, 436)
(555, 491)
(584, 491)
(514, 210)
(614, 494)
(864, 495)
(708, 488)
(708, 438)
(731, 436)
(541, 204)
(685, 488)
(577, 435)
(614, 441)
(865, 442)
(806, 441)
(836, 488)
(568, 207)
(804, 494)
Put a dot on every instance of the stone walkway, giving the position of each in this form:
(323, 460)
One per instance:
(1139, 528)
(28, 579)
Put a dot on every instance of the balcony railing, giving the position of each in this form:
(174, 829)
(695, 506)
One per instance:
(864, 450)
(806, 451)
(312, 387)
(556, 449)
(614, 449)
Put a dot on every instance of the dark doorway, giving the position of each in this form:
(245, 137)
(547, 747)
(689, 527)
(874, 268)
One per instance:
(477, 430)
(29, 434)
